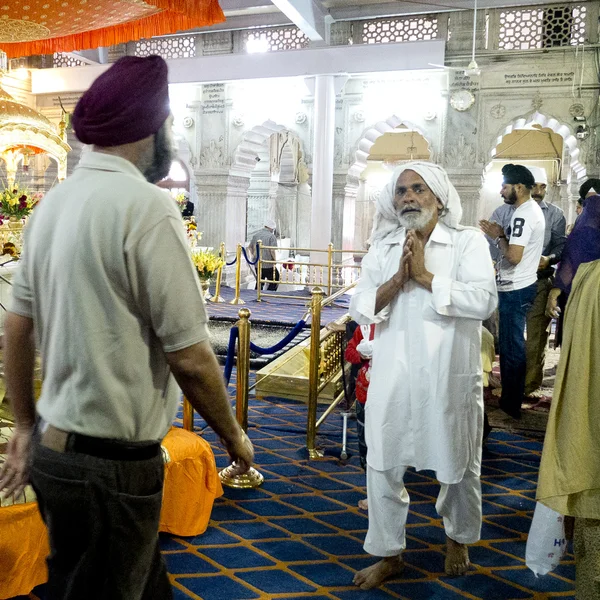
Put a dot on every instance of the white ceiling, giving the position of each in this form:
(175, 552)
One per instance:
(311, 15)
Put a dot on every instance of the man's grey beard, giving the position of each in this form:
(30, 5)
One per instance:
(162, 157)
(416, 220)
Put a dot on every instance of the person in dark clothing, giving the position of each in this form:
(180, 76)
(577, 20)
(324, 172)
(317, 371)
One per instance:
(188, 211)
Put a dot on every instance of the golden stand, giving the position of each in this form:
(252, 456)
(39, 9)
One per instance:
(313, 374)
(217, 296)
(259, 271)
(252, 478)
(188, 415)
(238, 274)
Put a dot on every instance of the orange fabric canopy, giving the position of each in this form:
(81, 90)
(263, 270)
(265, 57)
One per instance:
(46, 26)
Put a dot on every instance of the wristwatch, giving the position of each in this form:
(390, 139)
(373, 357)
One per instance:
(500, 237)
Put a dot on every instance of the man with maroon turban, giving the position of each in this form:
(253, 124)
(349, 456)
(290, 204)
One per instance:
(107, 285)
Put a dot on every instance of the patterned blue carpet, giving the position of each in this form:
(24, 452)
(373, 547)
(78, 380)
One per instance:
(300, 535)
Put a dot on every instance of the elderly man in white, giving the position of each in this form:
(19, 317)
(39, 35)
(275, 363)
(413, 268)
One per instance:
(427, 283)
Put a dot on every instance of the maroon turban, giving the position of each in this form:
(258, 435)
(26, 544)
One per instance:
(127, 103)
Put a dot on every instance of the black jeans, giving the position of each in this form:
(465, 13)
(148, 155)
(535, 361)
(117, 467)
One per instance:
(512, 308)
(270, 273)
(102, 518)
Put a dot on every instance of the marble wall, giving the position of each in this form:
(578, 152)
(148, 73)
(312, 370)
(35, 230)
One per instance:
(224, 128)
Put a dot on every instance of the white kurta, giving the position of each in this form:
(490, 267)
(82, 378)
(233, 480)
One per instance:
(425, 402)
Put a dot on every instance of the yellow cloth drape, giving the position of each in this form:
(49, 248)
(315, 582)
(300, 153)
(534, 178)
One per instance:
(569, 480)
(488, 354)
(23, 549)
(191, 485)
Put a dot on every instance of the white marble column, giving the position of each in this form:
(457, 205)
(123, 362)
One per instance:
(303, 220)
(337, 213)
(323, 158)
(211, 194)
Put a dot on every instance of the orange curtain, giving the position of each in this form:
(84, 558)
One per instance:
(174, 16)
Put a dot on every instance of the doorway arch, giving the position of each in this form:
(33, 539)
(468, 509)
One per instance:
(253, 147)
(571, 171)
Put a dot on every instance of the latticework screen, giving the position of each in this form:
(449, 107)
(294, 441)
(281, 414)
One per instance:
(529, 28)
(277, 38)
(181, 46)
(413, 29)
(66, 60)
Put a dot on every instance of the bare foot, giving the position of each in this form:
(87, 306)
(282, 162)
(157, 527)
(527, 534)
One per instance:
(363, 505)
(457, 558)
(376, 574)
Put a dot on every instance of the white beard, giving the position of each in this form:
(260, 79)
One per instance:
(416, 220)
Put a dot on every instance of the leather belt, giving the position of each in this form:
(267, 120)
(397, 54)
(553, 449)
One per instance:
(64, 441)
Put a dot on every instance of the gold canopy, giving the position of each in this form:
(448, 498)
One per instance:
(24, 132)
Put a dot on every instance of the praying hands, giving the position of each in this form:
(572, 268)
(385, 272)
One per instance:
(414, 249)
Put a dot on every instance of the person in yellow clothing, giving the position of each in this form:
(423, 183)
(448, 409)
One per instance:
(569, 480)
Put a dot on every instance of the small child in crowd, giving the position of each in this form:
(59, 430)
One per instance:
(359, 352)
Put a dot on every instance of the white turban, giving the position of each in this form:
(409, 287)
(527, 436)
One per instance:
(386, 216)
(539, 175)
(270, 223)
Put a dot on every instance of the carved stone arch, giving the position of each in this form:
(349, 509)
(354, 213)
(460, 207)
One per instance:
(570, 156)
(244, 157)
(253, 145)
(368, 138)
(570, 141)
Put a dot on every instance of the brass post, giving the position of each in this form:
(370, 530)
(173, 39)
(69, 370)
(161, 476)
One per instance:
(238, 275)
(217, 296)
(259, 271)
(313, 374)
(243, 368)
(252, 478)
(329, 267)
(188, 415)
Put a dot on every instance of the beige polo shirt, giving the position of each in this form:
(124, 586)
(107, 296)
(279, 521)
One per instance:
(107, 277)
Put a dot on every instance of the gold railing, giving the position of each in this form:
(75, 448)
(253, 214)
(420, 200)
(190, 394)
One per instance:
(251, 478)
(325, 364)
(222, 254)
(338, 270)
(228, 476)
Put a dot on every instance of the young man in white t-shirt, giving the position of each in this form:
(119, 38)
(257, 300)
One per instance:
(520, 247)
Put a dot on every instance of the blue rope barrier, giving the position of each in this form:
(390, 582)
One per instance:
(284, 342)
(246, 256)
(232, 262)
(233, 334)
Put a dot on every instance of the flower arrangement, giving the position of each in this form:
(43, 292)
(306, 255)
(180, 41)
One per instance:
(191, 232)
(17, 202)
(181, 199)
(206, 263)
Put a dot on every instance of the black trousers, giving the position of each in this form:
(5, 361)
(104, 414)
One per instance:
(269, 273)
(102, 518)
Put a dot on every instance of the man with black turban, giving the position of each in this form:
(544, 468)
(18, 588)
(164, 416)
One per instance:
(520, 248)
(107, 284)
